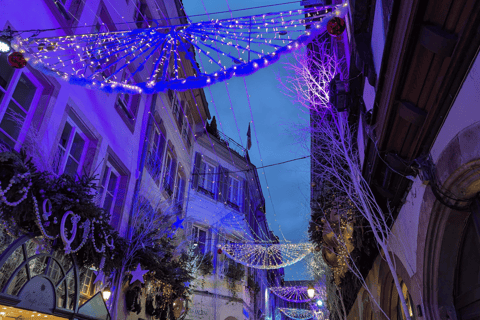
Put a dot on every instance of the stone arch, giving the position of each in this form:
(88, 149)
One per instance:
(458, 167)
(367, 312)
(388, 294)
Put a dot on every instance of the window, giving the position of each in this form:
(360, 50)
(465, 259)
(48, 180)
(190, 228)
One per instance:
(19, 94)
(142, 14)
(112, 189)
(86, 282)
(70, 9)
(103, 23)
(199, 237)
(170, 169)
(206, 179)
(126, 101)
(187, 133)
(185, 128)
(154, 164)
(177, 112)
(71, 151)
(234, 191)
(109, 187)
(126, 104)
(180, 192)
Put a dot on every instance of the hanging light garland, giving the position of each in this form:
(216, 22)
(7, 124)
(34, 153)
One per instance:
(266, 256)
(297, 314)
(158, 58)
(298, 294)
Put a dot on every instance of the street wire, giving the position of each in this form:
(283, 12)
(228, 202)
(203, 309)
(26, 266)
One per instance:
(270, 165)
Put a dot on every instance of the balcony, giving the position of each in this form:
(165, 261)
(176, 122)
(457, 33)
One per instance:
(226, 141)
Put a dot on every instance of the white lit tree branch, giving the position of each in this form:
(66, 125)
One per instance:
(334, 158)
(150, 226)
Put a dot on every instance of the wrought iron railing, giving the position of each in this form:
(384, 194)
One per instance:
(231, 144)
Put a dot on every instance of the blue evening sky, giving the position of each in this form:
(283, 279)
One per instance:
(273, 115)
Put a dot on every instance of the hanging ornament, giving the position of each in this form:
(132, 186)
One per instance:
(336, 26)
(17, 60)
(219, 251)
(266, 256)
(138, 274)
(297, 314)
(179, 307)
(297, 294)
(99, 276)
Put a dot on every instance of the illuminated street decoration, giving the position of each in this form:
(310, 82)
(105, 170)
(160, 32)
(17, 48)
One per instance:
(297, 314)
(297, 294)
(266, 256)
(155, 59)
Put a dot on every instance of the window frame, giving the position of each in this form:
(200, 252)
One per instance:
(169, 160)
(63, 162)
(8, 97)
(88, 282)
(108, 170)
(203, 178)
(235, 205)
(179, 202)
(154, 154)
(196, 238)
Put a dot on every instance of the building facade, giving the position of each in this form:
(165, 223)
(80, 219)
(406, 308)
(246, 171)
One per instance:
(417, 65)
(225, 205)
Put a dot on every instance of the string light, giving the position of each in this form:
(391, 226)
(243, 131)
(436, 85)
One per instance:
(298, 294)
(266, 256)
(97, 60)
(297, 314)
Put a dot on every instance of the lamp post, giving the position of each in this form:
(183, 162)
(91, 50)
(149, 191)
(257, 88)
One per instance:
(311, 291)
(106, 293)
(5, 41)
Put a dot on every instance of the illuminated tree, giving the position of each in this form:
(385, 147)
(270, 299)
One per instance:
(335, 161)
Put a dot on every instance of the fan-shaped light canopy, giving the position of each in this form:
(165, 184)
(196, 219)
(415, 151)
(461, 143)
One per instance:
(177, 57)
(266, 256)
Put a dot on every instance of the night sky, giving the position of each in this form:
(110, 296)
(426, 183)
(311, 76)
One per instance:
(273, 116)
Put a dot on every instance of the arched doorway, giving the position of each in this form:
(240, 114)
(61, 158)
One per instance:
(33, 278)
(391, 303)
(367, 313)
(467, 281)
(449, 241)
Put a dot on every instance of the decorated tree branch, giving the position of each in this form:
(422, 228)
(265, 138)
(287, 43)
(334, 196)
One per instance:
(333, 154)
(152, 244)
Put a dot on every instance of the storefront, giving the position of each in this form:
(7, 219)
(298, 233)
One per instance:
(39, 284)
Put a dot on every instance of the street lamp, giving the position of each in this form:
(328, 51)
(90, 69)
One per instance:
(106, 293)
(5, 45)
(311, 291)
(319, 303)
(5, 41)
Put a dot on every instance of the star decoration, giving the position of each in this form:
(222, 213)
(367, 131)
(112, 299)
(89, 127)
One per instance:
(178, 224)
(187, 284)
(138, 274)
(99, 277)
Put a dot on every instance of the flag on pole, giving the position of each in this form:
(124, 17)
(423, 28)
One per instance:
(249, 138)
